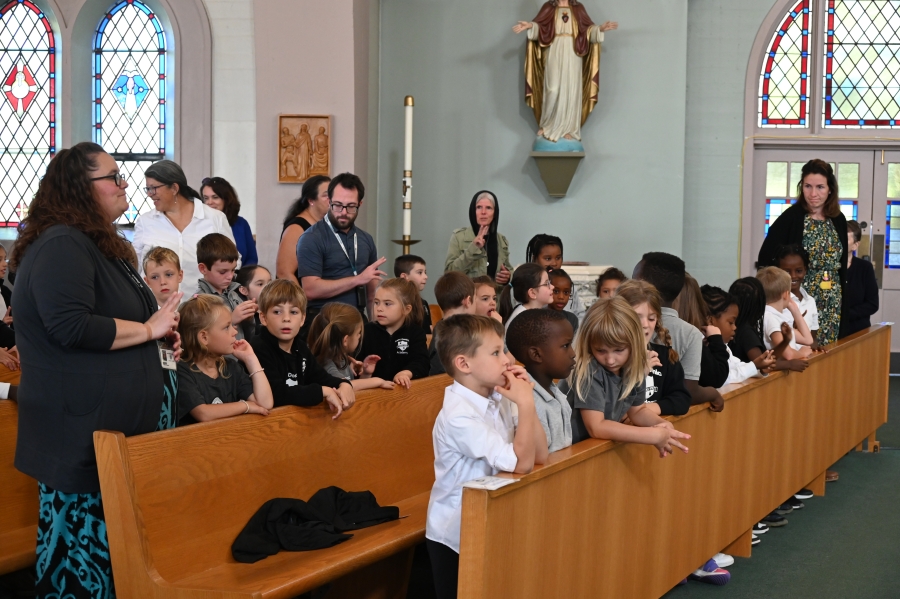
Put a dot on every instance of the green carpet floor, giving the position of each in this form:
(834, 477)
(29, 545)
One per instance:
(844, 545)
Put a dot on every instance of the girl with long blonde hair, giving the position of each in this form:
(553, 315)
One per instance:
(667, 394)
(608, 382)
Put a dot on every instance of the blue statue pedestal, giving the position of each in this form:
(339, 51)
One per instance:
(557, 163)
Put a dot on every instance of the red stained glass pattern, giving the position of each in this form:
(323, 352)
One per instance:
(784, 81)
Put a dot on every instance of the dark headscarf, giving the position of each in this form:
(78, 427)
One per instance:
(491, 237)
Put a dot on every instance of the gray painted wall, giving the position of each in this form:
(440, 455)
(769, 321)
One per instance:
(720, 34)
(464, 66)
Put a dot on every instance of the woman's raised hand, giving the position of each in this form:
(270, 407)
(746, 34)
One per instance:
(479, 239)
(165, 320)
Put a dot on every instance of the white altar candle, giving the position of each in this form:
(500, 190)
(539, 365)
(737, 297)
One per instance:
(407, 168)
(407, 145)
(407, 222)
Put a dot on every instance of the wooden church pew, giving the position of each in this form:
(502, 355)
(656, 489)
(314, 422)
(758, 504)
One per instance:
(18, 499)
(604, 519)
(176, 500)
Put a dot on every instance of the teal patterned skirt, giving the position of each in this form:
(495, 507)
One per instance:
(73, 560)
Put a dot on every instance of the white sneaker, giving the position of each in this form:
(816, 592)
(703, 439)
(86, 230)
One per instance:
(723, 560)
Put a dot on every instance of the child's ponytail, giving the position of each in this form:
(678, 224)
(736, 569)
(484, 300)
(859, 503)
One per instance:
(327, 332)
(527, 277)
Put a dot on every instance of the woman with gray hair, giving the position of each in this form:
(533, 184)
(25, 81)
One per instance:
(178, 221)
(479, 249)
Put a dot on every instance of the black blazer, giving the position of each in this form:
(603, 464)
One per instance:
(860, 297)
(788, 229)
(67, 296)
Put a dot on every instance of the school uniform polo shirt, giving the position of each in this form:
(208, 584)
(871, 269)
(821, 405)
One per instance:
(319, 254)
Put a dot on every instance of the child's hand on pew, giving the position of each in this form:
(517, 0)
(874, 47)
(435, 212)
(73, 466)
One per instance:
(797, 365)
(765, 362)
(667, 439)
(9, 358)
(403, 378)
(346, 394)
(333, 401)
(255, 408)
(718, 403)
(383, 384)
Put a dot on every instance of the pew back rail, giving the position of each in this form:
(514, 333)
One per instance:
(175, 500)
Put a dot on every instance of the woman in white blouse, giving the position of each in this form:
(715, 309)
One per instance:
(179, 220)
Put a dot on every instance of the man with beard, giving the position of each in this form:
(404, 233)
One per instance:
(336, 260)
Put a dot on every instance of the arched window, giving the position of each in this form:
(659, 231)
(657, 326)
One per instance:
(784, 83)
(129, 70)
(28, 105)
(856, 57)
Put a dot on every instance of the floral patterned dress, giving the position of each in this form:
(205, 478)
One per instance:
(823, 281)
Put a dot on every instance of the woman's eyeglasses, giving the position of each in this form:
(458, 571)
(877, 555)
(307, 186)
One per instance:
(119, 178)
(150, 191)
(211, 181)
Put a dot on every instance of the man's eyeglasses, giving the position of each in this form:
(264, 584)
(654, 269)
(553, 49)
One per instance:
(152, 189)
(119, 178)
(351, 209)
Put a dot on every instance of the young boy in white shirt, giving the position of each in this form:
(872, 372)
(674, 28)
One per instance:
(487, 424)
(787, 340)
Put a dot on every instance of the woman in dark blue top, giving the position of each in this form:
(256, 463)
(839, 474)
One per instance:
(219, 194)
(87, 326)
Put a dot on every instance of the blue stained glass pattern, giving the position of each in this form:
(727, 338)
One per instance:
(892, 241)
(129, 87)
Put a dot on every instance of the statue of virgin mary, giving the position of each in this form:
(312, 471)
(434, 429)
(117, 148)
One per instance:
(562, 67)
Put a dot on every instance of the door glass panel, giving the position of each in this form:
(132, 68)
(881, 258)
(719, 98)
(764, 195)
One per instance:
(848, 179)
(776, 179)
(796, 168)
(893, 180)
(850, 209)
(892, 239)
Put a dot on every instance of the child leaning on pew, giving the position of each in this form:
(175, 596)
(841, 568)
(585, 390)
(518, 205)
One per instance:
(455, 294)
(334, 338)
(542, 341)
(217, 258)
(294, 375)
(611, 364)
(787, 340)
(396, 336)
(211, 382)
(477, 433)
(723, 312)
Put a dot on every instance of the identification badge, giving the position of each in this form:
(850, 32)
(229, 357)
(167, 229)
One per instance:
(826, 282)
(166, 354)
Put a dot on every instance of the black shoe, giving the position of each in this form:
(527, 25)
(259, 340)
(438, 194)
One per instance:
(784, 509)
(796, 503)
(755, 540)
(774, 520)
(804, 494)
(760, 528)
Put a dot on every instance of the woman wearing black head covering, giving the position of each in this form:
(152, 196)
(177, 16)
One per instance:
(479, 249)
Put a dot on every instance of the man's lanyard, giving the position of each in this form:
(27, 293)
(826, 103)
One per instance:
(341, 243)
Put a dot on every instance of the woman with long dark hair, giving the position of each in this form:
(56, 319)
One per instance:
(87, 327)
(217, 193)
(307, 210)
(480, 249)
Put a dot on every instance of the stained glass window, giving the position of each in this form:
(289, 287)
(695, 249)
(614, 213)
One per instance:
(892, 241)
(28, 105)
(129, 73)
(862, 70)
(783, 96)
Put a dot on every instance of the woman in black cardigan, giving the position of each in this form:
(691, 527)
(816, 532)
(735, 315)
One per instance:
(87, 326)
(816, 223)
(861, 290)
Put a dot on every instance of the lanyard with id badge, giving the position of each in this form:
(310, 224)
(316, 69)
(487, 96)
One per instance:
(165, 347)
(361, 298)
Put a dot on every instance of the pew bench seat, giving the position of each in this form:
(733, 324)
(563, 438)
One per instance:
(290, 573)
(18, 498)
